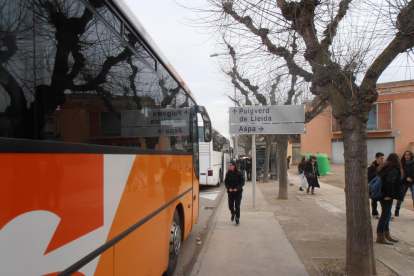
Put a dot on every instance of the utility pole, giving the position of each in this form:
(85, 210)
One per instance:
(235, 135)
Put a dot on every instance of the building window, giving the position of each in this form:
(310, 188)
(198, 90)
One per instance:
(372, 118)
(379, 119)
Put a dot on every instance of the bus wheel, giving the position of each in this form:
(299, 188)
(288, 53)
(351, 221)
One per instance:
(175, 244)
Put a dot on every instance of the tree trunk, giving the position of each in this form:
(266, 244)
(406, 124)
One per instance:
(282, 144)
(269, 139)
(360, 259)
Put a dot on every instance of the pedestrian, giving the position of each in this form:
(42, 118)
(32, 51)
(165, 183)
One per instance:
(234, 183)
(407, 162)
(242, 165)
(372, 172)
(312, 174)
(288, 161)
(390, 172)
(301, 167)
(249, 168)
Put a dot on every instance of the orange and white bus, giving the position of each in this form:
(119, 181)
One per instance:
(98, 143)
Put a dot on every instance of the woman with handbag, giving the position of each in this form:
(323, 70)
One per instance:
(391, 188)
(407, 162)
(312, 174)
(301, 168)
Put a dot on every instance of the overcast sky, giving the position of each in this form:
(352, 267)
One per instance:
(189, 50)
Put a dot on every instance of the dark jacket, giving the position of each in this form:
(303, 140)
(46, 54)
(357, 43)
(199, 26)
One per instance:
(234, 180)
(372, 170)
(249, 164)
(392, 184)
(242, 164)
(312, 174)
(408, 168)
(301, 168)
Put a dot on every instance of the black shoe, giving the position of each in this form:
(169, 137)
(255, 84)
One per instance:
(237, 221)
(397, 212)
(300, 189)
(232, 217)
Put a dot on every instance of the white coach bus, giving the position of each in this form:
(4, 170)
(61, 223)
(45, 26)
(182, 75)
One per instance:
(214, 157)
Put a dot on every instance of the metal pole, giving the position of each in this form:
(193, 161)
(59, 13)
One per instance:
(254, 169)
(235, 135)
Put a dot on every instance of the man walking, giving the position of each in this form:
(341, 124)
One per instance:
(242, 165)
(379, 159)
(249, 168)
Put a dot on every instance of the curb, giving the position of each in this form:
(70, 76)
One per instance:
(194, 265)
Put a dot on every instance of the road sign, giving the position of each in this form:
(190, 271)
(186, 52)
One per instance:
(290, 128)
(155, 117)
(131, 132)
(267, 114)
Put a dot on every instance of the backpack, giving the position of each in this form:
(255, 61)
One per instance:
(374, 187)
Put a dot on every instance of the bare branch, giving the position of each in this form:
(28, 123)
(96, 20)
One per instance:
(332, 27)
(403, 41)
(294, 69)
(244, 92)
(318, 107)
(253, 88)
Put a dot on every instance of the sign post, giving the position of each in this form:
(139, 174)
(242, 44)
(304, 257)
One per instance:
(254, 169)
(275, 119)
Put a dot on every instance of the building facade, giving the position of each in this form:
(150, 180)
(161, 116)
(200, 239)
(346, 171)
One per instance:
(390, 126)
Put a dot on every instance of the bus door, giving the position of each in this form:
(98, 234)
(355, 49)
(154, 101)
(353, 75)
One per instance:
(196, 173)
(207, 131)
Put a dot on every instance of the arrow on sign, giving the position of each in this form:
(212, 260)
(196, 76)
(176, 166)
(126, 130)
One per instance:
(234, 111)
(186, 112)
(159, 131)
(261, 128)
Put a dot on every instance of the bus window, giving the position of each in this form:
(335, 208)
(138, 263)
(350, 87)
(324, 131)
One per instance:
(98, 144)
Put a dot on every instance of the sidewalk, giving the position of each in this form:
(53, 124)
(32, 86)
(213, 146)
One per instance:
(257, 247)
(293, 237)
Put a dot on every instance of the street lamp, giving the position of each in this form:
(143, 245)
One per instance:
(235, 135)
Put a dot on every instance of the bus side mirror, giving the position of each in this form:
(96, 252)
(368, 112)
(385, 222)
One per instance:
(207, 122)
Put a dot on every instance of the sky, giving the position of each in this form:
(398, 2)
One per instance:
(188, 49)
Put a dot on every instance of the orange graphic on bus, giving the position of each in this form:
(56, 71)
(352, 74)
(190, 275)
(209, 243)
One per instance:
(69, 185)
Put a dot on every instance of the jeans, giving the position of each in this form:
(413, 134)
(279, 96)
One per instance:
(374, 208)
(384, 221)
(405, 190)
(234, 202)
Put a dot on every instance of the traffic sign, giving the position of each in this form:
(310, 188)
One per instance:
(290, 128)
(131, 132)
(155, 117)
(267, 114)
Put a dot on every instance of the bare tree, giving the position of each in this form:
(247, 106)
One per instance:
(343, 60)
(279, 89)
